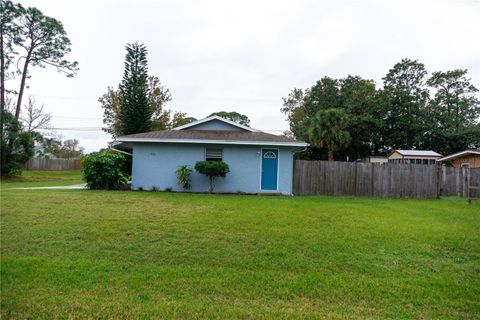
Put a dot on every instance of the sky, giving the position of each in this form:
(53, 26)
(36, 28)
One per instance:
(244, 55)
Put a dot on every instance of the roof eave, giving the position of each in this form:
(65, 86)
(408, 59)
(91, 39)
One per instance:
(415, 155)
(208, 141)
(458, 154)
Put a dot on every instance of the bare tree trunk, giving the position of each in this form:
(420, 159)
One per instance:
(212, 184)
(22, 85)
(2, 87)
(2, 74)
(330, 154)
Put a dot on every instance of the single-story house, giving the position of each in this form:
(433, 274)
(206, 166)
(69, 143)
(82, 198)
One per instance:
(414, 156)
(259, 162)
(463, 159)
(375, 159)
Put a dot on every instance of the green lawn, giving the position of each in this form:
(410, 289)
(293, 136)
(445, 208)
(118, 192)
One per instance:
(42, 178)
(129, 255)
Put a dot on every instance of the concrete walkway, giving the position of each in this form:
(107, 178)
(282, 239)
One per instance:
(71, 187)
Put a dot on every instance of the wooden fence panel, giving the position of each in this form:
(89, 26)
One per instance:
(454, 181)
(474, 181)
(363, 179)
(382, 180)
(52, 164)
(367, 179)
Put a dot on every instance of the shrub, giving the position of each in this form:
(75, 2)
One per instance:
(184, 176)
(212, 169)
(16, 145)
(103, 170)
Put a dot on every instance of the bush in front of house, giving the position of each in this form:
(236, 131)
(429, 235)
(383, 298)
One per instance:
(103, 170)
(212, 169)
(184, 179)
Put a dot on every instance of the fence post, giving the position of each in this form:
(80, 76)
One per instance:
(355, 192)
(372, 179)
(438, 175)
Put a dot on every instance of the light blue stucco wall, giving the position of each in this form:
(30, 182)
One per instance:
(154, 164)
(215, 125)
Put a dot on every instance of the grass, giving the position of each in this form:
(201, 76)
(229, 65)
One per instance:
(42, 178)
(140, 255)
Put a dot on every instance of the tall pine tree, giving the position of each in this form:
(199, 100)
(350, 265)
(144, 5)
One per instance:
(135, 110)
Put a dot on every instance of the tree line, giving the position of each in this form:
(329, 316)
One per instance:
(351, 118)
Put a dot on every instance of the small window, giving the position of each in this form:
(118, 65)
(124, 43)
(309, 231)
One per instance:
(213, 154)
(432, 161)
(270, 155)
(425, 161)
(418, 161)
(465, 165)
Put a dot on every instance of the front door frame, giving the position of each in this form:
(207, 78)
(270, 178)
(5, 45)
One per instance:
(261, 168)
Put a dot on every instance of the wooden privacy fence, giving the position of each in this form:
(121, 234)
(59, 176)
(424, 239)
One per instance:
(380, 180)
(52, 164)
(455, 181)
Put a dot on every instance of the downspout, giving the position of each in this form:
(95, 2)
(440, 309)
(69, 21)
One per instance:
(299, 149)
(121, 151)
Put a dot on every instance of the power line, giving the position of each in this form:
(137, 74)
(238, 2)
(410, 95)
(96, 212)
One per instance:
(76, 118)
(76, 128)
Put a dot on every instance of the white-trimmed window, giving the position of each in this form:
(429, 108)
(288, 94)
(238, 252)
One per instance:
(213, 154)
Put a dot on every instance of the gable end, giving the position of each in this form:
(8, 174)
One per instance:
(215, 123)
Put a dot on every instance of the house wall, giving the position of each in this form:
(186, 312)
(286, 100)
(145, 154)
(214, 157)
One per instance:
(215, 125)
(376, 160)
(154, 164)
(472, 159)
(397, 155)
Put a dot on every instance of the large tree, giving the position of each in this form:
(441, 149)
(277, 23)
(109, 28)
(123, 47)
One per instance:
(361, 101)
(233, 116)
(357, 97)
(454, 112)
(158, 96)
(110, 102)
(43, 42)
(302, 105)
(328, 130)
(135, 111)
(405, 103)
(9, 32)
(9, 35)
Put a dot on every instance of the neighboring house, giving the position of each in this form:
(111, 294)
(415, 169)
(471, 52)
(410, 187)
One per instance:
(463, 159)
(259, 162)
(414, 156)
(375, 159)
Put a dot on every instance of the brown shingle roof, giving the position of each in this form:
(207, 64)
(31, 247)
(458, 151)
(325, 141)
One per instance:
(221, 135)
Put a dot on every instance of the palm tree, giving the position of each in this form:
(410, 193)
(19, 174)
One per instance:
(327, 129)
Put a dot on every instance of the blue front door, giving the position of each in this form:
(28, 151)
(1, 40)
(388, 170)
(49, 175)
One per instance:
(269, 169)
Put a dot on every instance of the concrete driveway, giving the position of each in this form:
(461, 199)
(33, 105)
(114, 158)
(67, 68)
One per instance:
(75, 186)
